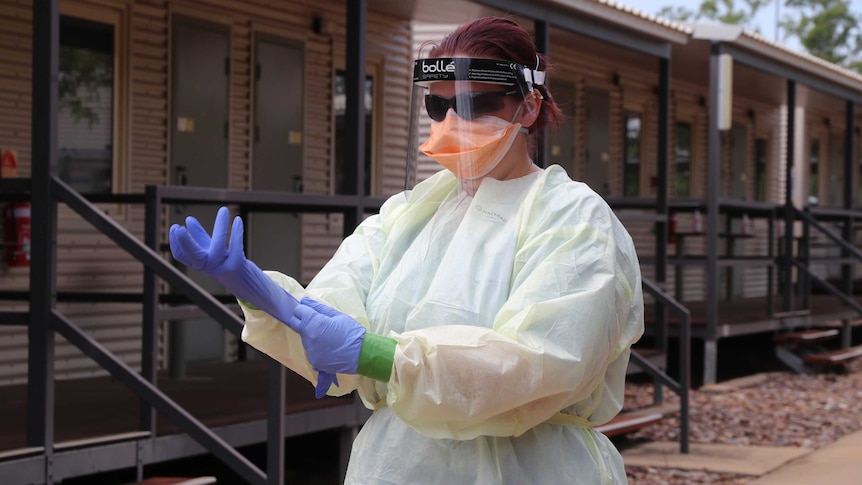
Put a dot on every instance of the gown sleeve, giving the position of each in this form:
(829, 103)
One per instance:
(342, 283)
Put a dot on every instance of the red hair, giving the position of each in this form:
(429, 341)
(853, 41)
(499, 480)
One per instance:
(503, 39)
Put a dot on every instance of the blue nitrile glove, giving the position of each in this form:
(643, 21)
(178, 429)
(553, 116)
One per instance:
(336, 343)
(332, 341)
(192, 246)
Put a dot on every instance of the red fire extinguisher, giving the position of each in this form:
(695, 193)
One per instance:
(18, 234)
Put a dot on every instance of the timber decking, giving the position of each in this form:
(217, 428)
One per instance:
(746, 316)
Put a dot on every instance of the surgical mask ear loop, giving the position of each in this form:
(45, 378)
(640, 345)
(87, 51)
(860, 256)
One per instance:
(522, 129)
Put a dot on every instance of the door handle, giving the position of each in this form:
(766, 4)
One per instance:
(180, 176)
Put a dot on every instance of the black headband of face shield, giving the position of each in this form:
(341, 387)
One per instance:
(427, 71)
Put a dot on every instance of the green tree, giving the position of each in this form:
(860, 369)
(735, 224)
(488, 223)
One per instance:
(675, 12)
(82, 73)
(827, 29)
(724, 11)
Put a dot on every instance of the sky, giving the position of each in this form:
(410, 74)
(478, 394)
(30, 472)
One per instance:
(766, 17)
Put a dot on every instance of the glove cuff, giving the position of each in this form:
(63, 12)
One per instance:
(376, 357)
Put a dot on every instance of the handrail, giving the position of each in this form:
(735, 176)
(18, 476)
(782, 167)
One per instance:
(725, 205)
(834, 212)
(143, 388)
(850, 254)
(80, 204)
(147, 256)
(829, 287)
(260, 200)
(808, 218)
(682, 386)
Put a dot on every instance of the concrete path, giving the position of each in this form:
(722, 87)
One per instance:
(744, 460)
(837, 464)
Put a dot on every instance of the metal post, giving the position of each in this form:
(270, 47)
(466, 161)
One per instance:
(149, 333)
(661, 234)
(770, 277)
(712, 220)
(847, 228)
(275, 425)
(804, 285)
(849, 150)
(43, 269)
(543, 41)
(789, 216)
(684, 379)
(354, 115)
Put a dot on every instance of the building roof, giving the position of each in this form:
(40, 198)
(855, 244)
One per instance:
(732, 34)
(760, 46)
(671, 24)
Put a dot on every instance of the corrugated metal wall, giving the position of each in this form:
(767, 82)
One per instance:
(87, 261)
(90, 262)
(15, 75)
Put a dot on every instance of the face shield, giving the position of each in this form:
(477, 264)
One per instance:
(465, 115)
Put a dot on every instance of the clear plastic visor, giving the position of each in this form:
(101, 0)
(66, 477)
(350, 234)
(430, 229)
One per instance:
(464, 114)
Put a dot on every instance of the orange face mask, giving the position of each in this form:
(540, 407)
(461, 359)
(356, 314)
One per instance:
(470, 149)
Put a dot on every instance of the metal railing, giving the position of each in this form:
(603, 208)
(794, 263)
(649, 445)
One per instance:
(155, 266)
(683, 385)
(850, 255)
(649, 210)
(144, 384)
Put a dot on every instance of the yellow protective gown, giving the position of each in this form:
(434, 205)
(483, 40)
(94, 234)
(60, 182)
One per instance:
(513, 310)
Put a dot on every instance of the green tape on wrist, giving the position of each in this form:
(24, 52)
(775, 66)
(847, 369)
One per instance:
(376, 357)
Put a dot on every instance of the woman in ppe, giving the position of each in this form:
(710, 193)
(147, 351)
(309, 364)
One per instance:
(486, 315)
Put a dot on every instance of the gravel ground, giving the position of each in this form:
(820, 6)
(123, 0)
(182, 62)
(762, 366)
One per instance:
(784, 410)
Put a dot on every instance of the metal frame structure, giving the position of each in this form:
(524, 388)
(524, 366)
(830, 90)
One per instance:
(682, 386)
(716, 207)
(42, 460)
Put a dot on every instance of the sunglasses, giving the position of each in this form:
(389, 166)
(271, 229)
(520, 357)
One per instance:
(479, 104)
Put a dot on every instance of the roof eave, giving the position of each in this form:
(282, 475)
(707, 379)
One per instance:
(633, 19)
(813, 67)
(804, 63)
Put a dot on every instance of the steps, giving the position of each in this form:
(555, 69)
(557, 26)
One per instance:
(835, 357)
(805, 336)
(628, 422)
(802, 352)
